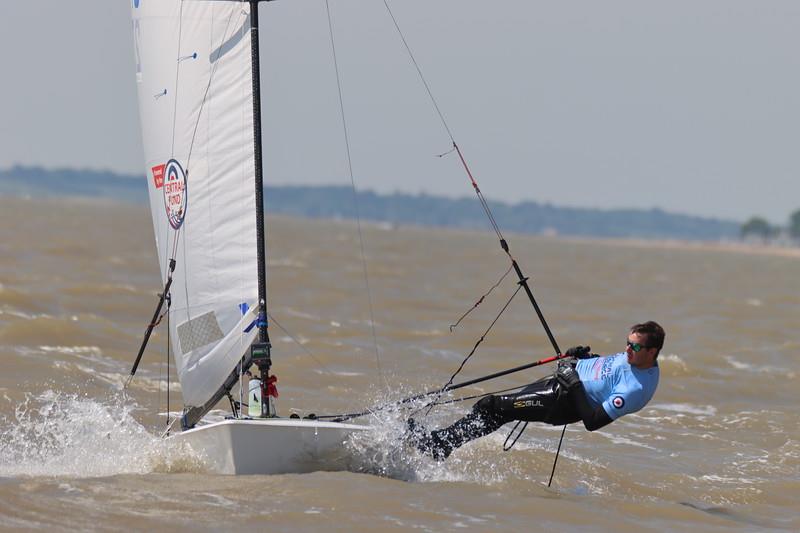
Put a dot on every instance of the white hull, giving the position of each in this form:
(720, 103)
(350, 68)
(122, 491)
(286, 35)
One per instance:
(271, 446)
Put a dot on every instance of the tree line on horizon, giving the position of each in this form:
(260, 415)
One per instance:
(759, 228)
(336, 201)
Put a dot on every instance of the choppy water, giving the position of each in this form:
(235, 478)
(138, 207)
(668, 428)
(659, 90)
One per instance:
(717, 449)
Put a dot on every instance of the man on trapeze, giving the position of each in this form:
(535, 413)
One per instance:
(589, 388)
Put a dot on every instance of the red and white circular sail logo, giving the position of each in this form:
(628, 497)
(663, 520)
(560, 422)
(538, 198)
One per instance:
(175, 193)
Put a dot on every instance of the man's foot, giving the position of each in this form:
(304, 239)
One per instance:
(429, 444)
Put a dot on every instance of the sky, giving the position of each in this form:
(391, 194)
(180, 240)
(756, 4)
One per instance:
(688, 106)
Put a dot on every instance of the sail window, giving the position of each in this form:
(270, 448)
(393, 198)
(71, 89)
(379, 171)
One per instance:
(199, 332)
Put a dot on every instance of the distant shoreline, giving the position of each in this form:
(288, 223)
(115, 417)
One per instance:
(339, 201)
(716, 246)
(723, 246)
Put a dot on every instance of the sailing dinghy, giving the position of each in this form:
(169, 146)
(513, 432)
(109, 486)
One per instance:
(197, 71)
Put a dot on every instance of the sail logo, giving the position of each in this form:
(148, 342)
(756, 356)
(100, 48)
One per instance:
(158, 175)
(174, 185)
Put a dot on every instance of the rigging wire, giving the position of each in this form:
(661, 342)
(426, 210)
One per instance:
(419, 71)
(306, 350)
(484, 204)
(355, 199)
(503, 243)
(523, 281)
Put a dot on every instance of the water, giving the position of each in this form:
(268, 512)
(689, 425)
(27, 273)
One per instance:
(717, 449)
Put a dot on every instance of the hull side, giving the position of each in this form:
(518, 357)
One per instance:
(271, 446)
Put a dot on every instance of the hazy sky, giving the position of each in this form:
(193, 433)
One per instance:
(691, 106)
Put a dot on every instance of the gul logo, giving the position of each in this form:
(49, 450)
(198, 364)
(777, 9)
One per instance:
(520, 404)
(618, 402)
(175, 194)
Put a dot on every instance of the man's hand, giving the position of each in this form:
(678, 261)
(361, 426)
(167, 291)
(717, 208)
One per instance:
(567, 377)
(580, 352)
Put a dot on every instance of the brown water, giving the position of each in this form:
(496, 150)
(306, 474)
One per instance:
(717, 449)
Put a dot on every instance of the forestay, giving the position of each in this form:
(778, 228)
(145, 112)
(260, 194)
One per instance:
(193, 68)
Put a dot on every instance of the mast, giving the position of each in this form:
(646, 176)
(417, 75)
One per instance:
(260, 352)
(263, 335)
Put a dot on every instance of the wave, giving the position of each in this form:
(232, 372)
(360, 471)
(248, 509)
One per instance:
(61, 331)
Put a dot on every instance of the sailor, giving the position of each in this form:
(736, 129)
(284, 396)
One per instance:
(586, 387)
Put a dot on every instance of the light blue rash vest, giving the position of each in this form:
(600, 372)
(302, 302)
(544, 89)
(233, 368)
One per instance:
(612, 382)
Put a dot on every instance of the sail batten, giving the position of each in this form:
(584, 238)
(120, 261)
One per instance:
(194, 78)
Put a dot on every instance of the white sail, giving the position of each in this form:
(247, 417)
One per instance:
(193, 70)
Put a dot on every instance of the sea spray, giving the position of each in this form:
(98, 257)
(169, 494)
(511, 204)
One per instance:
(68, 435)
(386, 450)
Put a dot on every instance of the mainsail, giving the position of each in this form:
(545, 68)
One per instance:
(194, 74)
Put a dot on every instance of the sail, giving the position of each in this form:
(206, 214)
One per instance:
(193, 72)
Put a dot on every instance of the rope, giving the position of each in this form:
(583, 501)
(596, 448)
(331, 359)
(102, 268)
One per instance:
(558, 451)
(480, 300)
(169, 303)
(355, 199)
(506, 445)
(401, 405)
(471, 353)
(474, 396)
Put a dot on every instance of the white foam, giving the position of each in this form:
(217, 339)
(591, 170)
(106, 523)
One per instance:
(762, 369)
(73, 350)
(738, 365)
(674, 359)
(384, 450)
(20, 314)
(59, 434)
(619, 439)
(687, 408)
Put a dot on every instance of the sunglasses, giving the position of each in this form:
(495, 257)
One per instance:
(635, 346)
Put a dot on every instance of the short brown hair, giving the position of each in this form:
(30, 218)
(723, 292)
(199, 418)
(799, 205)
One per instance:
(655, 334)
